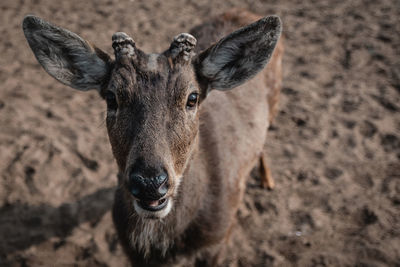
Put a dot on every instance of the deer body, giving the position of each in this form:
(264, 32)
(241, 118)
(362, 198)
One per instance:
(181, 170)
(230, 142)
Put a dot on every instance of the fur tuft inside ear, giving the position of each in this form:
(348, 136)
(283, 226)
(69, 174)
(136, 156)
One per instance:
(239, 56)
(66, 56)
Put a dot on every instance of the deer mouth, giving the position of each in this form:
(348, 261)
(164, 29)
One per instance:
(153, 205)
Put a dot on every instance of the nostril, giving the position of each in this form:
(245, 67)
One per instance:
(161, 179)
(136, 185)
(148, 188)
(163, 189)
(135, 191)
(162, 184)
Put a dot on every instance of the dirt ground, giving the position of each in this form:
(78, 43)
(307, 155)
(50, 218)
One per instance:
(334, 148)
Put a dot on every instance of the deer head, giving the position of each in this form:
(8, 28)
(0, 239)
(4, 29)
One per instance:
(153, 100)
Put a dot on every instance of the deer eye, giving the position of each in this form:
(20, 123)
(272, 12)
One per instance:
(111, 100)
(192, 100)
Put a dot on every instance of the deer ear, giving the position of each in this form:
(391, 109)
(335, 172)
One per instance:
(238, 56)
(66, 56)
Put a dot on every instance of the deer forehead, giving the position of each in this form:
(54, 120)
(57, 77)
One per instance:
(152, 75)
(152, 62)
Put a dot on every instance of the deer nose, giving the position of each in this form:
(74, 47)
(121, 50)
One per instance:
(148, 188)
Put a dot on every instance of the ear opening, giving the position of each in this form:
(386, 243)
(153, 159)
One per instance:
(239, 56)
(66, 56)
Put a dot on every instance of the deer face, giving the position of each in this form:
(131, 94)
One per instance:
(152, 120)
(153, 100)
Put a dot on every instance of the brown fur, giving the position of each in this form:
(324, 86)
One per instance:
(207, 150)
(233, 127)
(273, 71)
(212, 31)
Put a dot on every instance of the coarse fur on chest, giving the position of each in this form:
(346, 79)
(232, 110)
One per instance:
(151, 234)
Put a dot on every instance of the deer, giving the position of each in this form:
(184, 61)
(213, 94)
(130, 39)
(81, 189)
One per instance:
(186, 127)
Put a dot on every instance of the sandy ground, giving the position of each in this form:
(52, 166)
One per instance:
(334, 147)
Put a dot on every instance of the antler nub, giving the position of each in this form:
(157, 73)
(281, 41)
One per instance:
(123, 44)
(182, 46)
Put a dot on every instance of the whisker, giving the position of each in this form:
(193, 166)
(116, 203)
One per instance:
(103, 115)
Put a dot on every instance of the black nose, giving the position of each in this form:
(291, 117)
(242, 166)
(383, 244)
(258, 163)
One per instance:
(148, 188)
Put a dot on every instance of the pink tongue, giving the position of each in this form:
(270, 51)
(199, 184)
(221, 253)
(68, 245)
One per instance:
(153, 203)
